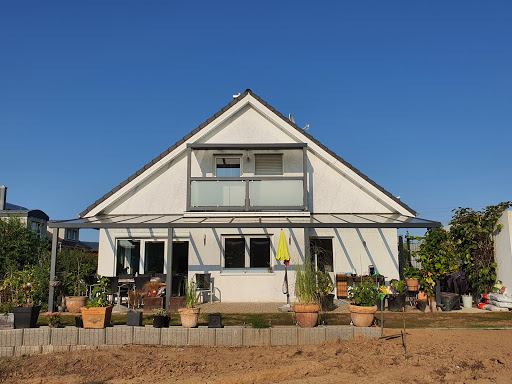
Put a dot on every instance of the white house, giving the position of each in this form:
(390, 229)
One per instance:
(224, 192)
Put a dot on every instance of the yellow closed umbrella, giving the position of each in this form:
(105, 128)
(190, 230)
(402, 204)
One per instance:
(283, 254)
(282, 249)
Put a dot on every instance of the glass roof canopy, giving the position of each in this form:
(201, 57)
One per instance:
(317, 220)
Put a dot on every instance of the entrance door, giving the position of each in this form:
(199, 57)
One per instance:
(322, 256)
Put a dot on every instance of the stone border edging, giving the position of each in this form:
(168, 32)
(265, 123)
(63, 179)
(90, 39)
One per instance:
(30, 341)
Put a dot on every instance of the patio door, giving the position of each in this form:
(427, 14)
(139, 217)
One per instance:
(322, 256)
(154, 257)
(179, 267)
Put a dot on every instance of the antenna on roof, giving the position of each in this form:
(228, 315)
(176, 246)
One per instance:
(236, 96)
(306, 127)
(290, 117)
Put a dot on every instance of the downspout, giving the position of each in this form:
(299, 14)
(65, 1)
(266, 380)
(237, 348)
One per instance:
(3, 197)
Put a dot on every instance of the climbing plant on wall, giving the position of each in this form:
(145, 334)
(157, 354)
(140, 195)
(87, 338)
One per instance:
(474, 232)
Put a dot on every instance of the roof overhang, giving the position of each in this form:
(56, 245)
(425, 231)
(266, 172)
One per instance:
(317, 220)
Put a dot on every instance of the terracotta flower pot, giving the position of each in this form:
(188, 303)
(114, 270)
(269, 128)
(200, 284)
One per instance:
(96, 317)
(189, 317)
(306, 315)
(74, 303)
(362, 316)
(412, 284)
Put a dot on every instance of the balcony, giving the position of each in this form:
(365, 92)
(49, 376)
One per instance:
(246, 194)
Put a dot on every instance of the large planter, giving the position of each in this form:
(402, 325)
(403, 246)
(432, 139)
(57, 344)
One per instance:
(74, 303)
(396, 303)
(362, 316)
(96, 317)
(412, 284)
(189, 317)
(306, 315)
(26, 317)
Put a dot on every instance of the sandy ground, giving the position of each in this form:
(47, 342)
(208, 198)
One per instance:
(433, 356)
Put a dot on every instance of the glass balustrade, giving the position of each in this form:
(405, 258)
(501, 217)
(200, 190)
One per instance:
(232, 193)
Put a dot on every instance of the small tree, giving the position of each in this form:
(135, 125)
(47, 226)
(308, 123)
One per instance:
(438, 258)
(19, 246)
(474, 232)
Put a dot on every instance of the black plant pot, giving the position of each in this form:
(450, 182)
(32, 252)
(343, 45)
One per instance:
(161, 321)
(215, 320)
(396, 303)
(327, 302)
(134, 319)
(26, 317)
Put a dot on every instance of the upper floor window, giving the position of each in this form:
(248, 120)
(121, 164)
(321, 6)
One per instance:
(268, 164)
(227, 167)
(71, 234)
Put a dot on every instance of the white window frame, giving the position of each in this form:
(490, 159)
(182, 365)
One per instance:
(228, 156)
(142, 259)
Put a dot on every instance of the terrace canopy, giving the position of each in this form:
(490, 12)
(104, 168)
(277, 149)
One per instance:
(203, 220)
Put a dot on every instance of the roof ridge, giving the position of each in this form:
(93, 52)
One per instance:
(213, 118)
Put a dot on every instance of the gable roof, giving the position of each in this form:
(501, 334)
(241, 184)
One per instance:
(218, 114)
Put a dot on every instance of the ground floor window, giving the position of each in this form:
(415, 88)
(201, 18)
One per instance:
(243, 252)
(321, 254)
(128, 257)
(148, 256)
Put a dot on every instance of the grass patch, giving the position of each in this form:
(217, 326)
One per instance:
(391, 319)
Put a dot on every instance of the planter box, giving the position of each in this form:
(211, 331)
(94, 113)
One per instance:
(26, 317)
(96, 317)
(177, 302)
(134, 319)
(151, 303)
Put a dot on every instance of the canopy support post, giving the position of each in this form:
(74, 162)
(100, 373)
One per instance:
(53, 263)
(168, 280)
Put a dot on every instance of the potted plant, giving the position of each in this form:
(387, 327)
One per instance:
(98, 311)
(364, 303)
(324, 288)
(396, 301)
(77, 268)
(307, 307)
(161, 318)
(24, 312)
(412, 278)
(6, 315)
(54, 319)
(190, 315)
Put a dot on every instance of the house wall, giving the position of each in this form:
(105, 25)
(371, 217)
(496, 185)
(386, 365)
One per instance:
(503, 250)
(353, 251)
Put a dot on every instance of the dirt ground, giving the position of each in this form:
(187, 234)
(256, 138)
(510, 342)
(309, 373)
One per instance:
(433, 356)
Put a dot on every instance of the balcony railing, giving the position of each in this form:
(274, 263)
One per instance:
(246, 194)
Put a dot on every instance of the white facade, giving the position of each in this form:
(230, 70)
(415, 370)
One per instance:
(503, 250)
(332, 187)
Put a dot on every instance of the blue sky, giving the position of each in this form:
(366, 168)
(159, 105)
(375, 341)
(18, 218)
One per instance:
(416, 95)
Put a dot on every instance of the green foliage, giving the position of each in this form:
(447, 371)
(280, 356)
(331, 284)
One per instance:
(412, 273)
(6, 307)
(191, 294)
(438, 258)
(161, 312)
(19, 246)
(100, 293)
(54, 319)
(258, 321)
(399, 286)
(365, 293)
(305, 283)
(324, 283)
(73, 266)
(474, 231)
